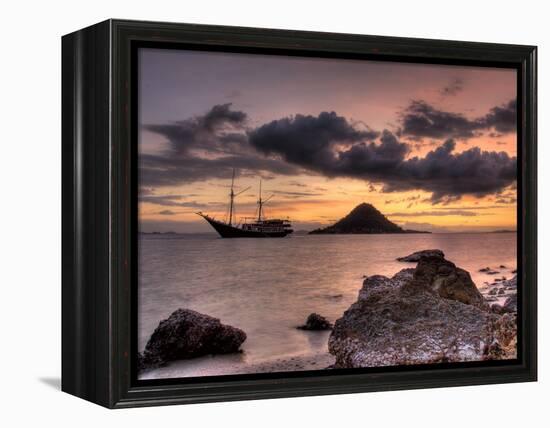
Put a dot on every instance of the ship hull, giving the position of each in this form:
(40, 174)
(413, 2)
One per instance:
(227, 231)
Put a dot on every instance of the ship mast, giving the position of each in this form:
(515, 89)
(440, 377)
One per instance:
(260, 203)
(231, 196)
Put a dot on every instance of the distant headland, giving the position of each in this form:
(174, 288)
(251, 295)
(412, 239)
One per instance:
(363, 219)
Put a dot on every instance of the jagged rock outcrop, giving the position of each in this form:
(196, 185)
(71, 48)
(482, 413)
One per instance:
(417, 255)
(188, 334)
(403, 276)
(316, 322)
(380, 281)
(449, 281)
(430, 314)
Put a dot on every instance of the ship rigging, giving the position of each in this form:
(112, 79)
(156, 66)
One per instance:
(257, 227)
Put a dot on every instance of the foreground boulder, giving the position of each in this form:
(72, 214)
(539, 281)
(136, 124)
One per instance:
(416, 256)
(316, 322)
(432, 314)
(188, 334)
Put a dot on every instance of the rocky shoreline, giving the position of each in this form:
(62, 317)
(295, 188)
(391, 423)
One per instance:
(430, 313)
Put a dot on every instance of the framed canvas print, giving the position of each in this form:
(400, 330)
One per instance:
(254, 213)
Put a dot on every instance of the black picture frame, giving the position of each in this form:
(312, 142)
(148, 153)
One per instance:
(99, 212)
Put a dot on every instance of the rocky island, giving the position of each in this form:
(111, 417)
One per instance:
(363, 219)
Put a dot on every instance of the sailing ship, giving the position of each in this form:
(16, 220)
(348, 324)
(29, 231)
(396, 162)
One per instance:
(258, 227)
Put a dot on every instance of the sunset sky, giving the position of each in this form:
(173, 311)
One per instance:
(432, 147)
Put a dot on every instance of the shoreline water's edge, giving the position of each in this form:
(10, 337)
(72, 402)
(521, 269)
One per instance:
(217, 365)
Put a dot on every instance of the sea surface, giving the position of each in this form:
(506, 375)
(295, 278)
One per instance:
(267, 287)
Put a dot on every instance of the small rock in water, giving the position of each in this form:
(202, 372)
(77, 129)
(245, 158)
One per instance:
(486, 269)
(502, 267)
(336, 296)
(416, 256)
(316, 322)
(515, 271)
(501, 291)
(492, 291)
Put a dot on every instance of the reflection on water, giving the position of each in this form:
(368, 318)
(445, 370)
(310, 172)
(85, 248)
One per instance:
(268, 286)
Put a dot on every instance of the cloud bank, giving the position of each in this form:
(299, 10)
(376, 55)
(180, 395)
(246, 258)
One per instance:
(442, 172)
(422, 120)
(211, 145)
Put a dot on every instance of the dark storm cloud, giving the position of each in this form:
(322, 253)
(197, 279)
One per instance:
(222, 114)
(307, 140)
(449, 175)
(221, 133)
(157, 170)
(328, 146)
(502, 118)
(215, 130)
(422, 120)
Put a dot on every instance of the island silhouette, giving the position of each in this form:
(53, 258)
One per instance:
(363, 219)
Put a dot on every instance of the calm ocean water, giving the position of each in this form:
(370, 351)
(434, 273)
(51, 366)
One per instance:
(268, 286)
